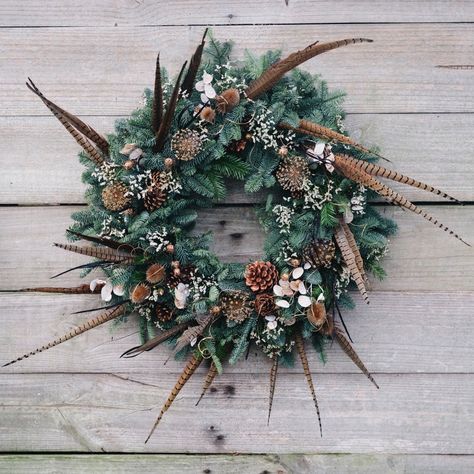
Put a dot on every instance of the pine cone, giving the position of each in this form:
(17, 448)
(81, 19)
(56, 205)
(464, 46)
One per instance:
(186, 144)
(113, 197)
(264, 304)
(236, 305)
(261, 276)
(185, 276)
(163, 313)
(228, 100)
(292, 173)
(320, 253)
(140, 293)
(154, 198)
(155, 273)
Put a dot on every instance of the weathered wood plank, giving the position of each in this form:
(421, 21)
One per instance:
(397, 333)
(42, 167)
(422, 413)
(129, 13)
(236, 464)
(421, 257)
(104, 71)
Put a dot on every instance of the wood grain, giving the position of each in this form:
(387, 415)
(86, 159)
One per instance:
(236, 464)
(162, 12)
(104, 71)
(412, 413)
(399, 332)
(42, 165)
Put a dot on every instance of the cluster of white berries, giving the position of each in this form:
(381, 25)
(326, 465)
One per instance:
(157, 239)
(137, 185)
(227, 80)
(313, 196)
(359, 200)
(284, 216)
(108, 230)
(105, 173)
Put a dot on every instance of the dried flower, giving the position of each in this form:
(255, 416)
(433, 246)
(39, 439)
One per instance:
(204, 86)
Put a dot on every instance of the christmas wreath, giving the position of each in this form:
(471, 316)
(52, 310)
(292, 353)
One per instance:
(219, 121)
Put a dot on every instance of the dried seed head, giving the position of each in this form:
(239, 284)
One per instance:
(140, 293)
(228, 100)
(208, 114)
(155, 273)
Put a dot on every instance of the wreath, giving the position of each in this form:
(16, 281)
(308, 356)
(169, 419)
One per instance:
(249, 122)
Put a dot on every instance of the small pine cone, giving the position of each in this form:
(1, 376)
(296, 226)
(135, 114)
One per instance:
(154, 198)
(228, 100)
(260, 276)
(113, 197)
(186, 144)
(264, 304)
(320, 253)
(185, 276)
(292, 173)
(140, 293)
(163, 313)
(236, 305)
(155, 273)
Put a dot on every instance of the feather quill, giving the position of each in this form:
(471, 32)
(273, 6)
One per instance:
(194, 63)
(349, 350)
(273, 376)
(152, 343)
(165, 124)
(350, 260)
(188, 371)
(92, 323)
(107, 255)
(74, 125)
(299, 343)
(157, 110)
(277, 70)
(211, 375)
(76, 290)
(361, 177)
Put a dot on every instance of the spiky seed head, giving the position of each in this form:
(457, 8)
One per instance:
(208, 114)
(114, 198)
(228, 100)
(140, 293)
(186, 144)
(292, 173)
(163, 313)
(236, 305)
(155, 273)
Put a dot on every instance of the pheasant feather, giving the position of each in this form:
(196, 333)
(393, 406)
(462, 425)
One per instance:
(349, 350)
(106, 242)
(361, 177)
(74, 122)
(273, 376)
(76, 290)
(188, 371)
(107, 255)
(355, 249)
(211, 375)
(92, 323)
(157, 340)
(165, 124)
(194, 63)
(276, 71)
(350, 261)
(193, 332)
(299, 343)
(157, 110)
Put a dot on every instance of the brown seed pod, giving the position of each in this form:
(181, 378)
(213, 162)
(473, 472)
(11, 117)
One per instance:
(155, 273)
(208, 114)
(170, 248)
(113, 197)
(228, 100)
(128, 165)
(236, 305)
(140, 293)
(264, 304)
(128, 148)
(186, 144)
(292, 173)
(169, 163)
(320, 253)
(163, 313)
(316, 313)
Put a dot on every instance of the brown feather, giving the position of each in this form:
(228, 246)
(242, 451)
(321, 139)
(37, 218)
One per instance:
(108, 255)
(92, 323)
(64, 116)
(304, 362)
(193, 332)
(113, 244)
(157, 340)
(157, 110)
(350, 260)
(165, 125)
(349, 350)
(76, 290)
(273, 376)
(376, 170)
(194, 63)
(276, 71)
(211, 375)
(355, 249)
(355, 174)
(188, 371)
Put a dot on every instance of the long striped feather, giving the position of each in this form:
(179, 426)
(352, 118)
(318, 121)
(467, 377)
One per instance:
(273, 376)
(361, 177)
(349, 350)
(355, 249)
(108, 255)
(92, 323)
(165, 125)
(157, 109)
(376, 170)
(194, 63)
(299, 343)
(74, 121)
(193, 332)
(76, 290)
(350, 261)
(211, 375)
(188, 371)
(106, 242)
(276, 71)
